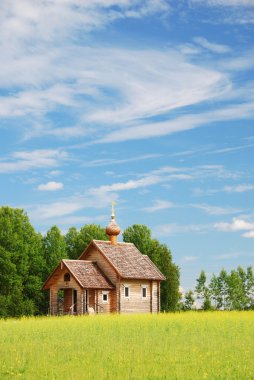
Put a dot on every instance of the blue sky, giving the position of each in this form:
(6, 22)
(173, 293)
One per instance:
(149, 103)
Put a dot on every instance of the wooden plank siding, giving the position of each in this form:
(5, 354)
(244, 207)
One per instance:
(135, 303)
(155, 297)
(103, 264)
(106, 307)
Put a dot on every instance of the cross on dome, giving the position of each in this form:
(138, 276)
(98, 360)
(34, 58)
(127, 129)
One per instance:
(112, 229)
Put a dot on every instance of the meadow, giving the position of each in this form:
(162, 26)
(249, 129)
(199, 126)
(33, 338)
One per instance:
(191, 345)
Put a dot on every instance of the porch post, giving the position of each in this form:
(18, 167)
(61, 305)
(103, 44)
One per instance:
(50, 305)
(84, 304)
(53, 301)
(82, 301)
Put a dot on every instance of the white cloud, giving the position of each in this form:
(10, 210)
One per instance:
(214, 47)
(50, 186)
(173, 228)
(99, 197)
(73, 220)
(54, 209)
(27, 160)
(226, 3)
(233, 255)
(215, 210)
(249, 234)
(159, 205)
(55, 173)
(189, 258)
(163, 175)
(119, 161)
(154, 82)
(231, 149)
(65, 208)
(242, 188)
(236, 225)
(227, 256)
(180, 124)
(234, 11)
(129, 185)
(55, 20)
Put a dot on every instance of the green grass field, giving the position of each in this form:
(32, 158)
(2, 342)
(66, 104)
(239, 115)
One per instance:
(216, 345)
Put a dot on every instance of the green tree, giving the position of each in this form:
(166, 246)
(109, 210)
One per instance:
(87, 233)
(203, 291)
(224, 289)
(215, 292)
(54, 248)
(72, 243)
(250, 287)
(140, 236)
(21, 264)
(188, 300)
(237, 292)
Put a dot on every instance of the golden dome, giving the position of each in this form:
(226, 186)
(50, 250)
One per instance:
(112, 228)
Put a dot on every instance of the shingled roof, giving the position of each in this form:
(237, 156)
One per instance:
(128, 261)
(86, 273)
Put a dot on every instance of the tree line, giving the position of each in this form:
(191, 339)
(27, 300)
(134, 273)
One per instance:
(232, 290)
(27, 258)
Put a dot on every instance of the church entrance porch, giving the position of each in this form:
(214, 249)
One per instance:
(76, 301)
(67, 301)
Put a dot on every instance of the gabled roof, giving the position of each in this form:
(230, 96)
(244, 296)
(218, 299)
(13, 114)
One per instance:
(86, 273)
(128, 262)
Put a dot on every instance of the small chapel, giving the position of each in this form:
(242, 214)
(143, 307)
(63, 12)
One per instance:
(108, 277)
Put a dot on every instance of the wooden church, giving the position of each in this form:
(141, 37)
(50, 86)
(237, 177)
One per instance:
(109, 277)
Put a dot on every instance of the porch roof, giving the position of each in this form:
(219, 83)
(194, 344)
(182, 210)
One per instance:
(88, 274)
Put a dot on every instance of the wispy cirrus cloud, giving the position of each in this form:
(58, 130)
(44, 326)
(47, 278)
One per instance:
(154, 83)
(230, 255)
(105, 108)
(54, 21)
(119, 161)
(189, 258)
(234, 11)
(216, 210)
(180, 124)
(225, 3)
(173, 228)
(159, 205)
(241, 188)
(129, 185)
(212, 46)
(27, 160)
(166, 174)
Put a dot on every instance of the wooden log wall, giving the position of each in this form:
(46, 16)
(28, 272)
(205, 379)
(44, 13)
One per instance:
(57, 283)
(135, 303)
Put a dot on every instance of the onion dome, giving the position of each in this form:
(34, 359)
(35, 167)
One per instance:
(112, 229)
